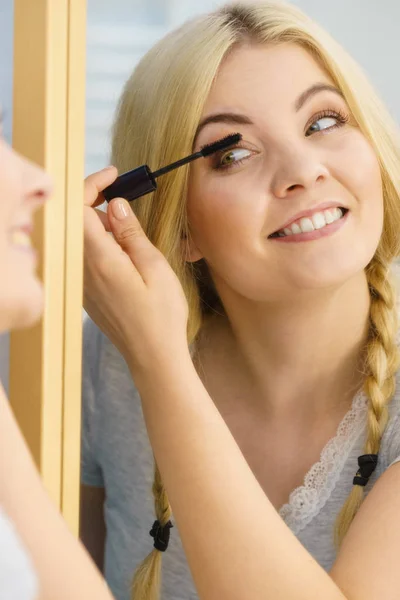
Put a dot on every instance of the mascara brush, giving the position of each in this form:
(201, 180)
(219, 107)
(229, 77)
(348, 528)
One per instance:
(142, 180)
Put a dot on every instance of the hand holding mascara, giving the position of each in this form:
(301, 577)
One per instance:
(142, 180)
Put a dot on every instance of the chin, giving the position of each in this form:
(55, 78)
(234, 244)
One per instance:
(22, 309)
(332, 275)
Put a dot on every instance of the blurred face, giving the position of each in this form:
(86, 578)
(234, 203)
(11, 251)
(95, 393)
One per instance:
(297, 205)
(23, 188)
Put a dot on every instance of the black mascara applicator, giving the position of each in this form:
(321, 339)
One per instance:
(142, 180)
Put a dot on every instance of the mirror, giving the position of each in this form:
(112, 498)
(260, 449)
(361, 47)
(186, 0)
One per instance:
(117, 463)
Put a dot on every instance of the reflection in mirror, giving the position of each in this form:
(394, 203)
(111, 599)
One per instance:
(289, 358)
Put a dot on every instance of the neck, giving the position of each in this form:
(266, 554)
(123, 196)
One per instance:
(301, 355)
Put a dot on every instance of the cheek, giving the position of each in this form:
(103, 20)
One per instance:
(356, 166)
(10, 186)
(225, 212)
(21, 300)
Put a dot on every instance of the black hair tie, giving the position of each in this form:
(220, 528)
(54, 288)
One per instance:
(367, 465)
(160, 533)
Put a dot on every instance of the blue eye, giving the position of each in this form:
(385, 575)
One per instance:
(325, 121)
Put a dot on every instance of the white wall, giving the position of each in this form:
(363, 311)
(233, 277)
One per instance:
(369, 30)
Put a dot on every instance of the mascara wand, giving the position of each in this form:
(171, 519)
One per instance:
(142, 180)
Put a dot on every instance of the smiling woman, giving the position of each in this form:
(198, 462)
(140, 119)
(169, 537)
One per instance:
(283, 246)
(305, 153)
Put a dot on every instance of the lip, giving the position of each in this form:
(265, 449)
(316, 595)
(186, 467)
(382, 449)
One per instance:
(26, 228)
(316, 234)
(309, 212)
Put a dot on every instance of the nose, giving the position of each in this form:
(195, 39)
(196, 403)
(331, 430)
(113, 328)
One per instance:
(38, 185)
(299, 169)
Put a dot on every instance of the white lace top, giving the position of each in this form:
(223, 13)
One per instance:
(306, 501)
(117, 454)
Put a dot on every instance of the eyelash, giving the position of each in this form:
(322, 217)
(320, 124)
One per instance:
(340, 116)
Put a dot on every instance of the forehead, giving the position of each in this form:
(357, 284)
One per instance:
(261, 76)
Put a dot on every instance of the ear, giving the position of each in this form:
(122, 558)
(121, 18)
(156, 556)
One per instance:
(190, 251)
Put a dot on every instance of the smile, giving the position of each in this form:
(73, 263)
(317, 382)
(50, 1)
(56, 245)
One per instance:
(319, 224)
(20, 238)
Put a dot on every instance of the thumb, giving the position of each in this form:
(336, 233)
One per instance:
(128, 232)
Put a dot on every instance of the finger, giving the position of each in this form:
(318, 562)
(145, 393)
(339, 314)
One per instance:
(96, 183)
(97, 241)
(102, 254)
(130, 236)
(104, 219)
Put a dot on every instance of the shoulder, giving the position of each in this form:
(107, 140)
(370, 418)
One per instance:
(390, 445)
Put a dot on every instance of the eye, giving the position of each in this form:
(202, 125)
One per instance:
(326, 121)
(232, 157)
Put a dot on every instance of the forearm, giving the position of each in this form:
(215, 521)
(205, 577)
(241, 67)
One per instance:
(237, 545)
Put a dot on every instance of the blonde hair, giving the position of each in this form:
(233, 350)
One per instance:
(156, 122)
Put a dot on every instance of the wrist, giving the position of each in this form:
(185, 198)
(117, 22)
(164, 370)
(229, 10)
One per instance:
(159, 365)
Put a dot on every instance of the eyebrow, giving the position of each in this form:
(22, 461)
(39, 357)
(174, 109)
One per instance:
(240, 119)
(230, 118)
(312, 91)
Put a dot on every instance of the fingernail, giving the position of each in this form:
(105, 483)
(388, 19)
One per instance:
(120, 209)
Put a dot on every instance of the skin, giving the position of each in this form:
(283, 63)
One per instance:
(298, 333)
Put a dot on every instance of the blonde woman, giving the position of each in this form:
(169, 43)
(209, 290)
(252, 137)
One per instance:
(254, 311)
(39, 557)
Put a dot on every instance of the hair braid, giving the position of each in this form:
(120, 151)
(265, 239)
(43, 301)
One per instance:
(382, 360)
(147, 579)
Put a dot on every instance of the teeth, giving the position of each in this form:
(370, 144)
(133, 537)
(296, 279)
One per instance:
(20, 238)
(329, 218)
(306, 225)
(317, 221)
(337, 213)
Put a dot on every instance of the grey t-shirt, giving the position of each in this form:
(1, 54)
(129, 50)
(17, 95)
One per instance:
(17, 578)
(116, 454)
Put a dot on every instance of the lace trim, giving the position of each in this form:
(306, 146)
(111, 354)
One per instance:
(306, 501)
